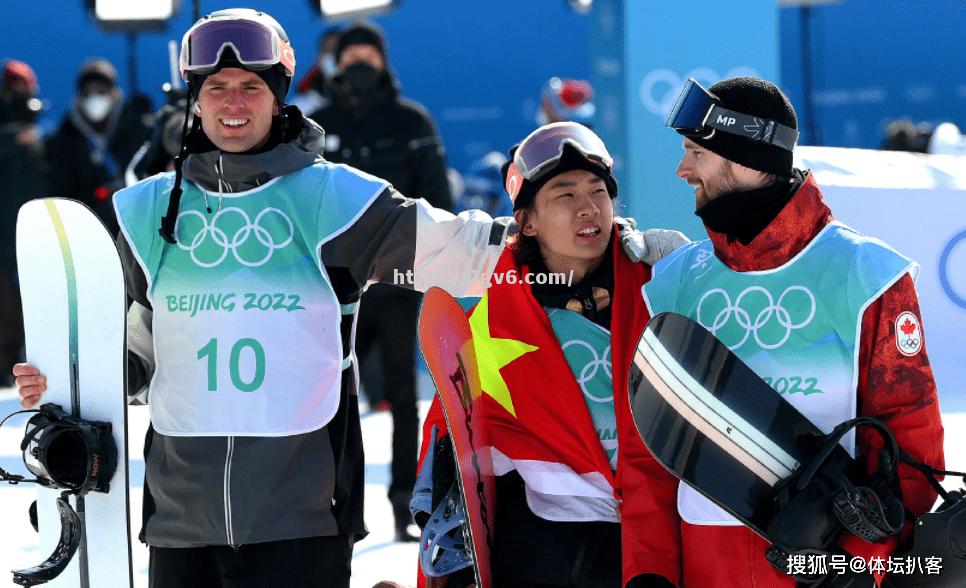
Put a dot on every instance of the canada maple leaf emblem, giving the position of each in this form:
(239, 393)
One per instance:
(907, 327)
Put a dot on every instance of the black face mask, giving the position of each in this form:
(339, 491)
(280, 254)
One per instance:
(19, 108)
(362, 77)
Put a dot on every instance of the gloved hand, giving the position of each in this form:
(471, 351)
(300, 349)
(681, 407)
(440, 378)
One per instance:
(648, 246)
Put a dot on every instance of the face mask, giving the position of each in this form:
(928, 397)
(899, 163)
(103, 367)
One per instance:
(96, 107)
(361, 77)
(328, 65)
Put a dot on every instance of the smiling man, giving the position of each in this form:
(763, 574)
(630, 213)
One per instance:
(799, 297)
(238, 109)
(240, 333)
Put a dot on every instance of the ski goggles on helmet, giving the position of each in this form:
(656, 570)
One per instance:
(541, 151)
(256, 45)
(698, 114)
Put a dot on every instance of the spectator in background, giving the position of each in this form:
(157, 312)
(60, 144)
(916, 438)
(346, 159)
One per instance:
(370, 127)
(157, 154)
(97, 138)
(483, 187)
(314, 90)
(567, 100)
(23, 176)
(905, 135)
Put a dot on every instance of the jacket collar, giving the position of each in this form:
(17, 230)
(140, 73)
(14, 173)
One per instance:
(783, 238)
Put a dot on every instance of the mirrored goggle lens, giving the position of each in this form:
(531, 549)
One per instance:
(691, 109)
(544, 147)
(253, 43)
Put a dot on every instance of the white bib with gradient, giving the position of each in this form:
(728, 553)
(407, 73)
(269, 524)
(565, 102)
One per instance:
(797, 326)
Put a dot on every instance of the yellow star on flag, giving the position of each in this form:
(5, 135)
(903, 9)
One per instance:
(492, 354)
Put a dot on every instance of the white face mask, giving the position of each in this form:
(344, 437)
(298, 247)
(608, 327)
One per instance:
(96, 107)
(328, 65)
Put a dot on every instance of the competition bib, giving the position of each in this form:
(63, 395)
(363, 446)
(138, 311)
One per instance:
(245, 321)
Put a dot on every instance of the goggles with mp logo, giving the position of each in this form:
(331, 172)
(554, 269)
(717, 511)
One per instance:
(697, 113)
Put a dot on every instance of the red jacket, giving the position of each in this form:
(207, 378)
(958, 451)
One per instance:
(649, 520)
(895, 388)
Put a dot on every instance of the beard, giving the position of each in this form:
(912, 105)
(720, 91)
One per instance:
(715, 185)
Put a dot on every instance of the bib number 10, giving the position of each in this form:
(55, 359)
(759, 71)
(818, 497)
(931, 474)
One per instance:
(210, 352)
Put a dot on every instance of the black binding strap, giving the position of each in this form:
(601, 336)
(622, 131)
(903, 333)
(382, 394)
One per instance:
(930, 473)
(70, 537)
(15, 479)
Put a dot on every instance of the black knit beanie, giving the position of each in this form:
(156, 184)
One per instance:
(570, 160)
(361, 33)
(754, 97)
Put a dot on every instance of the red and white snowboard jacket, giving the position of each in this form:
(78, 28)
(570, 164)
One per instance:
(895, 388)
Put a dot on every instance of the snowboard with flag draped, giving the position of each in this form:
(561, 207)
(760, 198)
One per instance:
(447, 344)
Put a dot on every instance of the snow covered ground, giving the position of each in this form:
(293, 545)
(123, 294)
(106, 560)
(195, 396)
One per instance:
(376, 558)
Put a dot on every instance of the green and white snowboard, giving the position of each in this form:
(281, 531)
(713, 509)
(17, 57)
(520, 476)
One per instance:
(74, 306)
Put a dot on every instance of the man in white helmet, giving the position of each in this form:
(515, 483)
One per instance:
(240, 332)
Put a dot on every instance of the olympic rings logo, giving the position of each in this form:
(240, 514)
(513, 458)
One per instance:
(772, 313)
(944, 266)
(220, 240)
(910, 343)
(592, 368)
(660, 87)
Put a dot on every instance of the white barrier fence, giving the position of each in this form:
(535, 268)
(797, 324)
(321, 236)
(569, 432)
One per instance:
(917, 204)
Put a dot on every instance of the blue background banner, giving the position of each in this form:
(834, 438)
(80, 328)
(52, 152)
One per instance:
(664, 44)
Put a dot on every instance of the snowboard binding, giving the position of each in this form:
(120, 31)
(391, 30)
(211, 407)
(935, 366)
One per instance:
(70, 454)
(437, 507)
(827, 495)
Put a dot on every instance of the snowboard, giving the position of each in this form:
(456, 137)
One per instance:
(717, 426)
(447, 344)
(74, 308)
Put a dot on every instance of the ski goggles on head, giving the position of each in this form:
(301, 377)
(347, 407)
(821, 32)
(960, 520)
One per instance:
(697, 113)
(541, 151)
(256, 46)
